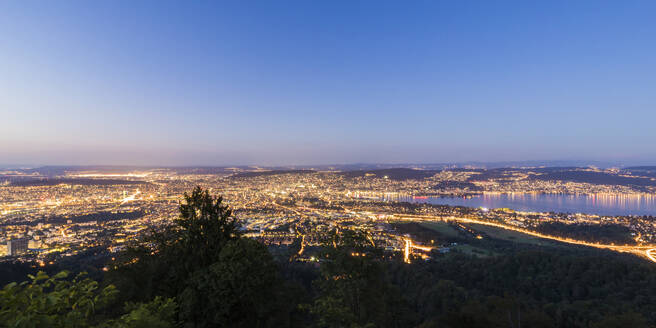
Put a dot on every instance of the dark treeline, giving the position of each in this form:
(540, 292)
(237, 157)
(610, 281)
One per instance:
(547, 289)
(602, 178)
(200, 272)
(604, 233)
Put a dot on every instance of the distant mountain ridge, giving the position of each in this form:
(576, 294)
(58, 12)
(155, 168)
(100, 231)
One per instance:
(329, 167)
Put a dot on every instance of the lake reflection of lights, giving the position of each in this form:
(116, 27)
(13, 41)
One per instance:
(601, 204)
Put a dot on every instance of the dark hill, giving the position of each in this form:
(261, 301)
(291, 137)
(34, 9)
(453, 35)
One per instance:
(269, 173)
(393, 174)
(648, 171)
(595, 178)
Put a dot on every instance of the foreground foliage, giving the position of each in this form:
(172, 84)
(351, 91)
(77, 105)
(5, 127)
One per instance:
(59, 302)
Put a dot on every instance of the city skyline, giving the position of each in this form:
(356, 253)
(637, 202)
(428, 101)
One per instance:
(229, 83)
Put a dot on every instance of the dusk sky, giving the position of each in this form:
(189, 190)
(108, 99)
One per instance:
(311, 82)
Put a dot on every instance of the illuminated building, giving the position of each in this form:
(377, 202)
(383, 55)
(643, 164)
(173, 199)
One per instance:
(16, 246)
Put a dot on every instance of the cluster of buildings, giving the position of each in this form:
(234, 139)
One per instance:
(41, 221)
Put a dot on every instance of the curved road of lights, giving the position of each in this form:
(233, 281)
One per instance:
(651, 254)
(646, 251)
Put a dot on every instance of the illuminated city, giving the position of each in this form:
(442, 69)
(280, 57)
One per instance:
(96, 209)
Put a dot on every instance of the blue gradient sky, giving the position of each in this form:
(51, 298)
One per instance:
(308, 82)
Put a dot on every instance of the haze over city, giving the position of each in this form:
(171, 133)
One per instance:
(267, 83)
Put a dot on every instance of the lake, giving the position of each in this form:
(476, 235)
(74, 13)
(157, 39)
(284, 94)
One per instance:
(601, 204)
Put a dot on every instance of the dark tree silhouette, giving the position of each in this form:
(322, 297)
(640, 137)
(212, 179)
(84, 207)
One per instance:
(218, 278)
(204, 226)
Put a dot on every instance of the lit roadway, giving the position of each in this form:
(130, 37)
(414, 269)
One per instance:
(409, 245)
(646, 251)
(651, 254)
(408, 249)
